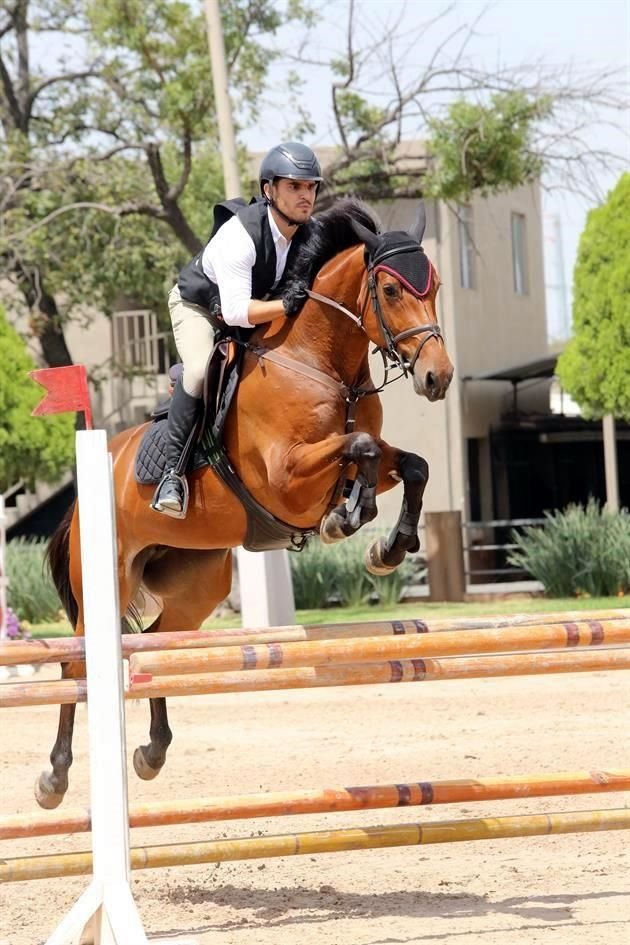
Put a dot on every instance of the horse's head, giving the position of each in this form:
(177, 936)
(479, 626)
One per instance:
(398, 305)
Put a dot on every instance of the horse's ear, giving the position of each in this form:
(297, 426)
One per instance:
(419, 225)
(366, 236)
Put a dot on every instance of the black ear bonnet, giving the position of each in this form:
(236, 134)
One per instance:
(401, 256)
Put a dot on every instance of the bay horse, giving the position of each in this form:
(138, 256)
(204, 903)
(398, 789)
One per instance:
(305, 413)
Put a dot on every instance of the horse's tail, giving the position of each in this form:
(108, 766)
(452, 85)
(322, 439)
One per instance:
(58, 561)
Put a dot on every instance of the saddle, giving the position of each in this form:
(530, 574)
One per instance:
(205, 448)
(222, 373)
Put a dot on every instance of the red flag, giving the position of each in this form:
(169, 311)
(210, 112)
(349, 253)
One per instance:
(67, 390)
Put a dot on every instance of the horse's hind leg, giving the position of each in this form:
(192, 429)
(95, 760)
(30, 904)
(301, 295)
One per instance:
(65, 566)
(385, 554)
(51, 786)
(190, 585)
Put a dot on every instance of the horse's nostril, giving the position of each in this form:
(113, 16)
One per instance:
(430, 380)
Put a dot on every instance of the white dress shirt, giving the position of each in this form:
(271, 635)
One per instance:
(228, 260)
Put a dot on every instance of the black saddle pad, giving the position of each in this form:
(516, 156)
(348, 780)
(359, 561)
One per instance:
(151, 457)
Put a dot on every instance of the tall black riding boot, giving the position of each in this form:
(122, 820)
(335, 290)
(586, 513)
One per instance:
(171, 496)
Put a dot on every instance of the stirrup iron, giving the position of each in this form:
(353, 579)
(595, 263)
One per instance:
(182, 481)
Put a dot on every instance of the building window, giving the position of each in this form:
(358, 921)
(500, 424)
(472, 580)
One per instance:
(138, 345)
(466, 247)
(519, 254)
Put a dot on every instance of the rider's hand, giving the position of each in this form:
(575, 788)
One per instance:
(293, 298)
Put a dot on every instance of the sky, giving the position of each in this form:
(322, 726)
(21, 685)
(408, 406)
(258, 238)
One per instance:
(573, 34)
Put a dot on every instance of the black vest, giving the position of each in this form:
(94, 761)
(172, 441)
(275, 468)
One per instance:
(196, 287)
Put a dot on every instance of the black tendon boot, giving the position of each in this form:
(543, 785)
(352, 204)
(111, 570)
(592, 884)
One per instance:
(171, 496)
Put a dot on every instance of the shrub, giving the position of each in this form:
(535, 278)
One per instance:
(353, 582)
(336, 574)
(314, 572)
(327, 574)
(389, 587)
(31, 592)
(579, 551)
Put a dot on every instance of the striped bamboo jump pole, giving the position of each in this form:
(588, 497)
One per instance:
(66, 649)
(330, 800)
(374, 649)
(395, 671)
(68, 691)
(325, 841)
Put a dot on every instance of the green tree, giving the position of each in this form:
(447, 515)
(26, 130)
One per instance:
(30, 447)
(109, 159)
(485, 148)
(595, 366)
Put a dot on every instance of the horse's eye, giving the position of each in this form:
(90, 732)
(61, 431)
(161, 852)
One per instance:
(390, 290)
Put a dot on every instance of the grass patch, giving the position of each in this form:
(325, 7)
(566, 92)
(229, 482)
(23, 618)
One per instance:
(60, 628)
(408, 611)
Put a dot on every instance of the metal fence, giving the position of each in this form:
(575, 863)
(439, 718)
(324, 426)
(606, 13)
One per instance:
(487, 546)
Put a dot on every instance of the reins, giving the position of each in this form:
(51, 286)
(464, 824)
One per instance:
(346, 311)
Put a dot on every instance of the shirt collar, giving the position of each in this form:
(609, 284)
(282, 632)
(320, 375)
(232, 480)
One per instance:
(275, 232)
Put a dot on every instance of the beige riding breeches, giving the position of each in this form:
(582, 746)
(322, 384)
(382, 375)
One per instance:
(194, 339)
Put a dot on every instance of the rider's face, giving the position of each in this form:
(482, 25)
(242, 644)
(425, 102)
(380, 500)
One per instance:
(296, 198)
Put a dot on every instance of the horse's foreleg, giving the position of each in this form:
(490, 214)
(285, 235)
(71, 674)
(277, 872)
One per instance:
(309, 462)
(385, 554)
(360, 507)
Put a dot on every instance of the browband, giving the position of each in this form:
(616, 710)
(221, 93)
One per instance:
(418, 293)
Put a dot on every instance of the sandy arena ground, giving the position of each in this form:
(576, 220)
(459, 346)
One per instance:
(567, 890)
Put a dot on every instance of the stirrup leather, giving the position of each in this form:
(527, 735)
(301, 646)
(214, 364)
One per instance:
(182, 482)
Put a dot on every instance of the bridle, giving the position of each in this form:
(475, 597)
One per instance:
(390, 350)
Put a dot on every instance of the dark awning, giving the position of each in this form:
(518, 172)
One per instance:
(541, 367)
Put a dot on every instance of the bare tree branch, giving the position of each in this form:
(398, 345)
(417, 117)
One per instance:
(177, 189)
(22, 85)
(171, 211)
(53, 80)
(338, 86)
(12, 118)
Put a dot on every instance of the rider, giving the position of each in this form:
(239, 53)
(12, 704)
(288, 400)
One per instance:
(238, 269)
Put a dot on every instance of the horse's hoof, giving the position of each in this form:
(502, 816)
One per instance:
(44, 794)
(142, 767)
(330, 531)
(374, 559)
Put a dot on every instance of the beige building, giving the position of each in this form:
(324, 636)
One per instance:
(491, 307)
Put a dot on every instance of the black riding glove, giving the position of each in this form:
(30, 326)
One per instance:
(293, 298)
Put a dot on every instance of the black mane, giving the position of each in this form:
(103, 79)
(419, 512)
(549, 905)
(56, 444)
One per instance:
(329, 234)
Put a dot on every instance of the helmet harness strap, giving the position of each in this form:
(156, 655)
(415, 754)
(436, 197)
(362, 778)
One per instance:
(276, 208)
(270, 203)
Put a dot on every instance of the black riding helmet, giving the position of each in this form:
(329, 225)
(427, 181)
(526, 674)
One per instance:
(292, 160)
